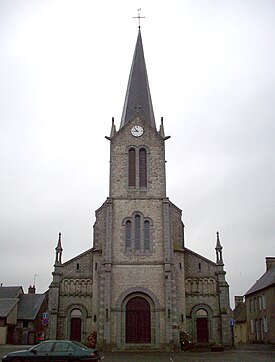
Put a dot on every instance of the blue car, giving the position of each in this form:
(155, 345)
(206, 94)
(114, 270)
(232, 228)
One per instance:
(55, 350)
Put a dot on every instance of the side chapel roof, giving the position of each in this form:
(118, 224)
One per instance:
(138, 97)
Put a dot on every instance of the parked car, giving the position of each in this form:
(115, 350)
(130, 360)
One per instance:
(55, 350)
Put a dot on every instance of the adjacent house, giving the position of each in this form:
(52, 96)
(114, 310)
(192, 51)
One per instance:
(21, 315)
(260, 306)
(9, 299)
(239, 315)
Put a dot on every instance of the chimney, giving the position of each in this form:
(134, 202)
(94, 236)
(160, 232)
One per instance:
(31, 289)
(270, 262)
(238, 300)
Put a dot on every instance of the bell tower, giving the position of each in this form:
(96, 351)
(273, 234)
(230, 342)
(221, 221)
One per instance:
(137, 164)
(137, 251)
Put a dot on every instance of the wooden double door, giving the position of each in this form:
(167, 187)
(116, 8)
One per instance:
(138, 321)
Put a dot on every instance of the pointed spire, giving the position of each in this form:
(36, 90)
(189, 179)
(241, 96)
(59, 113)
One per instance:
(218, 250)
(58, 251)
(138, 97)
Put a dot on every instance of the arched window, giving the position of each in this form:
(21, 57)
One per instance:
(142, 168)
(137, 232)
(146, 235)
(132, 167)
(128, 233)
(201, 313)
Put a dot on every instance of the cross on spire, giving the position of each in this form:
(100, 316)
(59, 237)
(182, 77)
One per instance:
(139, 17)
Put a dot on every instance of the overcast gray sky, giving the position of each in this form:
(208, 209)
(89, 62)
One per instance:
(64, 67)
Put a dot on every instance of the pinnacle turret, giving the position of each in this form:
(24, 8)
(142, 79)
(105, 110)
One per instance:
(218, 249)
(58, 251)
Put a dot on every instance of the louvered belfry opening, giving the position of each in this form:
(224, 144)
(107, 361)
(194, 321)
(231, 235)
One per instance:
(138, 321)
(142, 168)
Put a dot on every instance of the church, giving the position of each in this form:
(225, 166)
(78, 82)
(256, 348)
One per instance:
(138, 287)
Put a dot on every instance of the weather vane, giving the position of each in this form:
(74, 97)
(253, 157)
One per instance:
(139, 17)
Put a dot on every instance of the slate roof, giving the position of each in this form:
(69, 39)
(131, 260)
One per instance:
(138, 97)
(7, 305)
(10, 292)
(189, 251)
(266, 280)
(29, 306)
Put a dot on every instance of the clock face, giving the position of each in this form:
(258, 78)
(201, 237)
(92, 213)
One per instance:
(137, 131)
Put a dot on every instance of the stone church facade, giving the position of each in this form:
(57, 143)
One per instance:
(139, 286)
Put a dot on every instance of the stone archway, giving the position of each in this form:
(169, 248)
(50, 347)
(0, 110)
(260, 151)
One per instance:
(143, 308)
(75, 325)
(202, 326)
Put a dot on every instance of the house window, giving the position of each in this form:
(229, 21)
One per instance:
(260, 302)
(132, 167)
(265, 325)
(142, 168)
(137, 233)
(252, 326)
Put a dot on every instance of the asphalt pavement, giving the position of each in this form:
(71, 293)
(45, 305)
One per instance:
(241, 353)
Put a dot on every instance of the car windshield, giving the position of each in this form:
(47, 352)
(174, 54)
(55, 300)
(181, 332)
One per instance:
(79, 345)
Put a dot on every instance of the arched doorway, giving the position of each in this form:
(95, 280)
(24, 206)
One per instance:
(76, 325)
(202, 326)
(138, 321)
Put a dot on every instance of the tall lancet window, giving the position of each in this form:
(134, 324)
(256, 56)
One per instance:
(146, 235)
(128, 235)
(142, 168)
(132, 167)
(137, 232)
